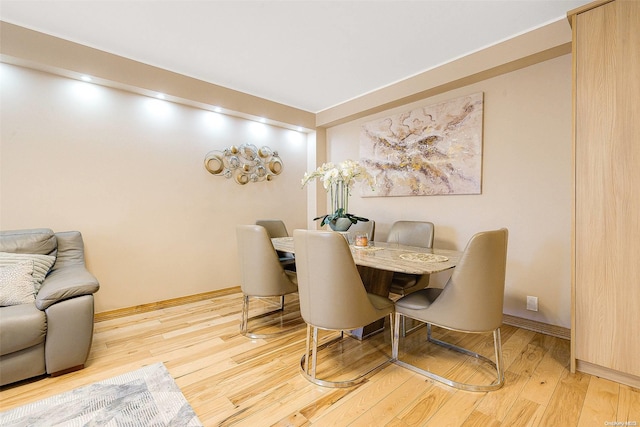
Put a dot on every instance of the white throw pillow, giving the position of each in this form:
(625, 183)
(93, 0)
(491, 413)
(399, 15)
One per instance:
(41, 265)
(16, 284)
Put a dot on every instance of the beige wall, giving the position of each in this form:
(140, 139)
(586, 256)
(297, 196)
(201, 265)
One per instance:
(127, 171)
(526, 184)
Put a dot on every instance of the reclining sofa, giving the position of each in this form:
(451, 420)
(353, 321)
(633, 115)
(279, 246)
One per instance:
(51, 331)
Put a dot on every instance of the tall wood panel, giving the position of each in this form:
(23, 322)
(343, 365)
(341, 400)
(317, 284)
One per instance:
(606, 288)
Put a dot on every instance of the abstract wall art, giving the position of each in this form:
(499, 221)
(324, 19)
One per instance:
(436, 149)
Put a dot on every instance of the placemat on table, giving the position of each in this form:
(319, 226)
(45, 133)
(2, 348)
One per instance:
(420, 257)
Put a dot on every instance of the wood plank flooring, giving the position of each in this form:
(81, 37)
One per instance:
(232, 380)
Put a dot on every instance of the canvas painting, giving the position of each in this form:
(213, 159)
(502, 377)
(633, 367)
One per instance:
(436, 149)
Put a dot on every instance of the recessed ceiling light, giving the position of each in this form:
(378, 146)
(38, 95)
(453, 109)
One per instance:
(160, 96)
(85, 78)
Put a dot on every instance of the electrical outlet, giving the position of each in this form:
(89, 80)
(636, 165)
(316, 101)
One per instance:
(532, 303)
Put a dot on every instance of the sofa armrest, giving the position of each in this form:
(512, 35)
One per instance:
(69, 334)
(64, 283)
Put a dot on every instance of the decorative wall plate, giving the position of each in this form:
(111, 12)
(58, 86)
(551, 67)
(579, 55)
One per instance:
(245, 164)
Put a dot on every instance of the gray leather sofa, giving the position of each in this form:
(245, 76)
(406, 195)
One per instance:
(53, 335)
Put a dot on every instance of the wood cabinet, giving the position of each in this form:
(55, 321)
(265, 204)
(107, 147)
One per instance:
(606, 238)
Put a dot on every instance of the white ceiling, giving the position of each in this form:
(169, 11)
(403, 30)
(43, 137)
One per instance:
(307, 54)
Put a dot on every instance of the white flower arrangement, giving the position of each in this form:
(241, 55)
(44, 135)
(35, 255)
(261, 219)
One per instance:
(339, 180)
(348, 172)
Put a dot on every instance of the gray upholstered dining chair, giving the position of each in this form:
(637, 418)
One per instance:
(262, 274)
(412, 233)
(368, 227)
(332, 297)
(276, 228)
(471, 301)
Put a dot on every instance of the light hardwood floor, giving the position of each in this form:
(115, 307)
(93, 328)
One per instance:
(232, 380)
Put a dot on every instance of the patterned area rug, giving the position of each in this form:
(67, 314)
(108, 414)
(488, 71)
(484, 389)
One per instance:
(146, 397)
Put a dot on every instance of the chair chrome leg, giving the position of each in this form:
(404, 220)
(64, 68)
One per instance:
(396, 336)
(306, 356)
(392, 330)
(308, 370)
(463, 386)
(244, 320)
(314, 356)
(245, 315)
(497, 343)
(406, 331)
